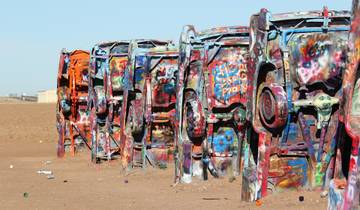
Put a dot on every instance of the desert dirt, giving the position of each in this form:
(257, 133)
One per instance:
(28, 143)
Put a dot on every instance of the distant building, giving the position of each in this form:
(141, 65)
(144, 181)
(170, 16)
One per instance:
(13, 95)
(20, 97)
(47, 96)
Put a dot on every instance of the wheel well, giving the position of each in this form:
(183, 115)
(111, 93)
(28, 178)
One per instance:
(197, 140)
(263, 70)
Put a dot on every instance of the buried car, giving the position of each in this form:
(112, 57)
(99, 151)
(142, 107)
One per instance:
(211, 100)
(138, 118)
(345, 187)
(108, 63)
(154, 143)
(72, 92)
(295, 75)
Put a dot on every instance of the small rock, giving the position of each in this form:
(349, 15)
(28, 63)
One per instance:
(65, 181)
(51, 176)
(301, 198)
(232, 179)
(258, 203)
(11, 166)
(126, 181)
(324, 193)
(46, 172)
(211, 199)
(162, 166)
(47, 162)
(26, 194)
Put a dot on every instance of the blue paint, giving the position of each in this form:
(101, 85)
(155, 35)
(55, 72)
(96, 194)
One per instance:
(289, 88)
(224, 82)
(223, 140)
(292, 132)
(303, 164)
(335, 196)
(170, 88)
(307, 132)
(140, 61)
(139, 75)
(127, 83)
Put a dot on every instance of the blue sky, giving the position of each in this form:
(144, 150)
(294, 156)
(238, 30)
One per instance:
(32, 33)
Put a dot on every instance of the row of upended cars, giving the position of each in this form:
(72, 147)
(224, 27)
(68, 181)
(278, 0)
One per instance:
(276, 103)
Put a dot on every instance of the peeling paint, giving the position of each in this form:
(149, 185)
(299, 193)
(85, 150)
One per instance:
(295, 75)
(148, 104)
(211, 99)
(345, 186)
(72, 91)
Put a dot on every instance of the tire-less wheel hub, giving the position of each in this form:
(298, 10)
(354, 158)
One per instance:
(268, 106)
(273, 106)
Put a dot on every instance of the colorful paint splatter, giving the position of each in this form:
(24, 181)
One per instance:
(211, 90)
(294, 71)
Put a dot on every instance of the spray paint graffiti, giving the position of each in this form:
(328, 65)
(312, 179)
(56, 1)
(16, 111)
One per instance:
(163, 82)
(229, 74)
(211, 89)
(137, 119)
(108, 63)
(317, 57)
(72, 116)
(162, 67)
(117, 70)
(294, 74)
(345, 186)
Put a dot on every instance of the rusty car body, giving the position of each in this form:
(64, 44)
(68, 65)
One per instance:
(344, 188)
(211, 100)
(72, 92)
(136, 118)
(160, 72)
(108, 63)
(295, 75)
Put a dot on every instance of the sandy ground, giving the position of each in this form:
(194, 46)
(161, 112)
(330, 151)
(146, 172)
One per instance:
(28, 143)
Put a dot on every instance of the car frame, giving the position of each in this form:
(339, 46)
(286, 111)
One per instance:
(295, 66)
(344, 188)
(71, 113)
(211, 102)
(132, 119)
(108, 64)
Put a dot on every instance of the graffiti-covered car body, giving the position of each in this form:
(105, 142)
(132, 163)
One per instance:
(294, 71)
(161, 67)
(344, 189)
(132, 120)
(72, 92)
(211, 100)
(108, 62)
